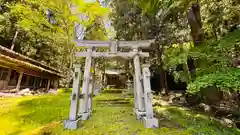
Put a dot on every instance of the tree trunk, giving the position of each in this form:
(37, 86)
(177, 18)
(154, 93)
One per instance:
(194, 20)
(163, 80)
(14, 39)
(19, 81)
(8, 77)
(103, 75)
(215, 32)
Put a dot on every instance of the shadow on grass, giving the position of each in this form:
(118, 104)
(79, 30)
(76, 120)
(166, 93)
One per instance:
(196, 124)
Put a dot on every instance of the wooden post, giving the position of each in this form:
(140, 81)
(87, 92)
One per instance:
(75, 93)
(41, 80)
(91, 87)
(48, 84)
(135, 91)
(55, 83)
(8, 76)
(113, 48)
(73, 122)
(139, 89)
(35, 81)
(85, 87)
(19, 81)
(27, 80)
(147, 91)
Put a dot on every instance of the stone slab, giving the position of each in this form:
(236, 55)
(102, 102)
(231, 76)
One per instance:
(150, 122)
(139, 114)
(85, 116)
(70, 124)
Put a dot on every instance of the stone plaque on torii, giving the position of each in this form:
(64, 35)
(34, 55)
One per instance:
(81, 103)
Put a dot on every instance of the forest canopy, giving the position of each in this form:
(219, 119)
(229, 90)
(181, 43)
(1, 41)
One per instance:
(195, 41)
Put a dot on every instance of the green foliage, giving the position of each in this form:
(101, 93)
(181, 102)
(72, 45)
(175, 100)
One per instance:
(214, 62)
(224, 80)
(167, 6)
(175, 55)
(64, 90)
(219, 16)
(93, 10)
(154, 19)
(46, 37)
(2, 20)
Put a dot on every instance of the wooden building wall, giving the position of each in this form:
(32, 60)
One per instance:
(28, 81)
(3, 78)
(118, 81)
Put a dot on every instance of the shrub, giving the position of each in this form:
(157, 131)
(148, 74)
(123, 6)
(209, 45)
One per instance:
(64, 90)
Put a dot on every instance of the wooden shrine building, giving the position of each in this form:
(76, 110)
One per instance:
(18, 72)
(115, 78)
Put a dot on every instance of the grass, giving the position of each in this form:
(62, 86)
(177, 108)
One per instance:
(24, 114)
(112, 115)
(191, 122)
(112, 90)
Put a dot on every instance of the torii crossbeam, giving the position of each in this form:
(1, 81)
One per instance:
(81, 103)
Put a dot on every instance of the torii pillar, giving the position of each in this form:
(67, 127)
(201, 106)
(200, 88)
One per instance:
(148, 120)
(84, 111)
(74, 121)
(138, 89)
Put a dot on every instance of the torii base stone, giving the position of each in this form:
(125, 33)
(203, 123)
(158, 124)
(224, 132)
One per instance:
(150, 122)
(72, 124)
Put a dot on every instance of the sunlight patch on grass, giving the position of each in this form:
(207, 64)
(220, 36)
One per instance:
(21, 114)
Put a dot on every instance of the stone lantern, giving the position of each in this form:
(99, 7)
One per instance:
(129, 84)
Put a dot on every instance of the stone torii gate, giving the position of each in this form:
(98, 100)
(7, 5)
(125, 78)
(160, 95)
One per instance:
(81, 103)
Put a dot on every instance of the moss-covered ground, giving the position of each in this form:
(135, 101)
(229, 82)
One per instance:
(112, 115)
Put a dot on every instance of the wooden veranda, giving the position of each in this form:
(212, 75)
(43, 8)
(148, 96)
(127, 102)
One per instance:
(18, 71)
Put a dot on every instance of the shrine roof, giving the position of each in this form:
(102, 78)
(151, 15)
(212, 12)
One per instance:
(113, 72)
(18, 60)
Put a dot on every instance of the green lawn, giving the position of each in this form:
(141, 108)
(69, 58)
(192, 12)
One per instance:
(112, 115)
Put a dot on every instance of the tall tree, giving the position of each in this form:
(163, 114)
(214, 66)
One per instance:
(44, 29)
(135, 21)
